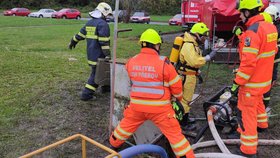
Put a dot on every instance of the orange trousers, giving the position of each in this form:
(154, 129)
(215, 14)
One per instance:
(165, 121)
(253, 115)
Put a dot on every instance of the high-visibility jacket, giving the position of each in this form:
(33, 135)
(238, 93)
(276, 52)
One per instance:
(257, 49)
(154, 80)
(97, 33)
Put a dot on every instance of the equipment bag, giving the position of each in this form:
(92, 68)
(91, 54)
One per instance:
(102, 75)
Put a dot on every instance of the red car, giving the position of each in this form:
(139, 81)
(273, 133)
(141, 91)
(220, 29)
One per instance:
(67, 13)
(140, 17)
(176, 20)
(17, 12)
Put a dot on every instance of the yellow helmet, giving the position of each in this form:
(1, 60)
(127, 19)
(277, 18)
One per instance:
(267, 17)
(200, 28)
(248, 4)
(151, 36)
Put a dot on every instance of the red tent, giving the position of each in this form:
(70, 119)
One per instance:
(226, 7)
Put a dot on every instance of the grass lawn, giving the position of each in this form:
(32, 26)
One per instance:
(40, 80)
(35, 64)
(160, 18)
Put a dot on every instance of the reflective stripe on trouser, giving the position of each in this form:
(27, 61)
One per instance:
(188, 91)
(250, 107)
(165, 121)
(91, 85)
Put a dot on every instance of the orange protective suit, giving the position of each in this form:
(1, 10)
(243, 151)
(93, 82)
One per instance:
(154, 80)
(258, 46)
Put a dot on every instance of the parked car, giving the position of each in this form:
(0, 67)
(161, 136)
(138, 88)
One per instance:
(176, 20)
(121, 16)
(17, 12)
(67, 13)
(42, 13)
(140, 17)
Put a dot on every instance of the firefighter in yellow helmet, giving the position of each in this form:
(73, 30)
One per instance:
(257, 49)
(191, 60)
(154, 81)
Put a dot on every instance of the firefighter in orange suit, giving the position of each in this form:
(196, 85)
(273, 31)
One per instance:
(154, 81)
(191, 60)
(257, 48)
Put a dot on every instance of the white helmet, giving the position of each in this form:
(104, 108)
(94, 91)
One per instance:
(272, 10)
(104, 8)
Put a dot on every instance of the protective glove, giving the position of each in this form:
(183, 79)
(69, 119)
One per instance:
(72, 44)
(237, 30)
(210, 55)
(179, 109)
(234, 89)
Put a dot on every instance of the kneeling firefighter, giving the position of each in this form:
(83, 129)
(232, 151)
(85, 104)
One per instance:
(191, 60)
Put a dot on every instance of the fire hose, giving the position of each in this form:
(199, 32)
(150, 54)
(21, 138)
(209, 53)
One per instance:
(214, 131)
(221, 142)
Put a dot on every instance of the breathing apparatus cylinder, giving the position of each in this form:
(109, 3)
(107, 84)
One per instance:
(177, 45)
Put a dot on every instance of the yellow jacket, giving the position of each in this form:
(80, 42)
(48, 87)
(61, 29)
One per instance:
(190, 53)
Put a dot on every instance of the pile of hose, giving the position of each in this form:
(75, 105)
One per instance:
(221, 142)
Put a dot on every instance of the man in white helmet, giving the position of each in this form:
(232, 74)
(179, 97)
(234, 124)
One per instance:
(274, 12)
(97, 34)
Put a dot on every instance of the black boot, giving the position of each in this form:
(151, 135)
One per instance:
(186, 124)
(233, 135)
(261, 130)
(87, 95)
(188, 119)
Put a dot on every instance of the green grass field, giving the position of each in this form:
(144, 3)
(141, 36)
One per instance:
(34, 63)
(38, 75)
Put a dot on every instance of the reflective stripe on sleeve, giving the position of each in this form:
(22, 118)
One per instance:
(104, 39)
(82, 35)
(258, 85)
(178, 95)
(250, 50)
(243, 75)
(75, 39)
(176, 79)
(266, 54)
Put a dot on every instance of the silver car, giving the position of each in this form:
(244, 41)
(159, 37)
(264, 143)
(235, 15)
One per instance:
(42, 13)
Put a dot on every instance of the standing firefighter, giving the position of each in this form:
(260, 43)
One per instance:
(274, 12)
(97, 33)
(154, 81)
(257, 48)
(191, 60)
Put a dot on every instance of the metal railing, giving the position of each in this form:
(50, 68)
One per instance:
(84, 140)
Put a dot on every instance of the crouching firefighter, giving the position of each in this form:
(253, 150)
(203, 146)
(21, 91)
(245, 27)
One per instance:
(191, 60)
(154, 81)
(97, 33)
